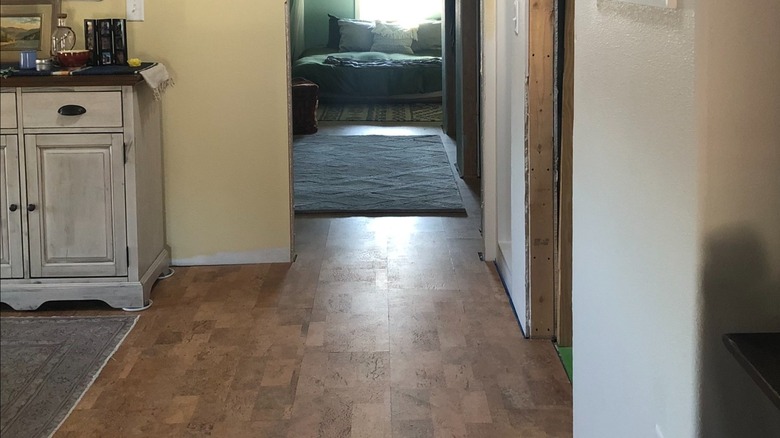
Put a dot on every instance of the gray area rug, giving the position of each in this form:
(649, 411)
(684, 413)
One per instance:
(46, 365)
(374, 174)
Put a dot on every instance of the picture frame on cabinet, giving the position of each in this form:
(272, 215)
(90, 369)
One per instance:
(20, 32)
(30, 20)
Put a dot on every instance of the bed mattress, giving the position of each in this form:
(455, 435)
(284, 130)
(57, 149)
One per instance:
(371, 74)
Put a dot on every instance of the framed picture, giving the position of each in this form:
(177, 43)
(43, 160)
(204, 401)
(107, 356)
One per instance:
(27, 25)
(21, 32)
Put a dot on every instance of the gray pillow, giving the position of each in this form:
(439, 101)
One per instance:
(334, 34)
(356, 35)
(393, 38)
(428, 37)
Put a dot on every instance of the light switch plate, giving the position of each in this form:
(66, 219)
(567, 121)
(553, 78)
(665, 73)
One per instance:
(660, 3)
(135, 10)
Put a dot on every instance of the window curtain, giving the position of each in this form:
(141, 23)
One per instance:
(296, 29)
(398, 10)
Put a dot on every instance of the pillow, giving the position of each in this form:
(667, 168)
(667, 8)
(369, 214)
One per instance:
(428, 37)
(356, 35)
(393, 38)
(334, 35)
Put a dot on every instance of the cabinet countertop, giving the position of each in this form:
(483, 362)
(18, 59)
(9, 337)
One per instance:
(759, 355)
(95, 76)
(70, 81)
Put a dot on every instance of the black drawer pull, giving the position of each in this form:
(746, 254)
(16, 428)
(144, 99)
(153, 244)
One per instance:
(13, 207)
(30, 207)
(72, 110)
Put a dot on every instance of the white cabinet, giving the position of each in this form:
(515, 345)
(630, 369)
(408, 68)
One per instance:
(10, 210)
(77, 229)
(82, 199)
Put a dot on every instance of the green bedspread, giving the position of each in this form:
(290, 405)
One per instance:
(371, 74)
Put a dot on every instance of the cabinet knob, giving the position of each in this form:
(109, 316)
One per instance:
(72, 110)
(30, 207)
(13, 207)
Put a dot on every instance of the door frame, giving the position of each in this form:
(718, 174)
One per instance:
(545, 298)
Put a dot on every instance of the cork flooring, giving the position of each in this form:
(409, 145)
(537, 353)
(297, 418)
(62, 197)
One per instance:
(383, 327)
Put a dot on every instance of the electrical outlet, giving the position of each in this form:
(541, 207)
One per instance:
(135, 10)
(660, 3)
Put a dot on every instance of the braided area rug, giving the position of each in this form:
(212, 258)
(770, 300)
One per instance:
(374, 174)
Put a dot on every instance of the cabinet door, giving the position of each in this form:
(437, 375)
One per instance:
(76, 205)
(10, 209)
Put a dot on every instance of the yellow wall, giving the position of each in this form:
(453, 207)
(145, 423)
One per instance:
(225, 122)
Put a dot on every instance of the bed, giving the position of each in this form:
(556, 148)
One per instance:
(376, 62)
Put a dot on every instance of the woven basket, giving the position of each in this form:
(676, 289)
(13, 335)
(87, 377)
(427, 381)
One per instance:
(305, 95)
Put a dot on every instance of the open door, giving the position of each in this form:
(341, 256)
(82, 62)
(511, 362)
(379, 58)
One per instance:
(462, 82)
(512, 74)
(525, 165)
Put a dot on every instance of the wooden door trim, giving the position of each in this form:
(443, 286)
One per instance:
(564, 262)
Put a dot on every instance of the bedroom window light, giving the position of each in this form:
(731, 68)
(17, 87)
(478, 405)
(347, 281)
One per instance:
(407, 11)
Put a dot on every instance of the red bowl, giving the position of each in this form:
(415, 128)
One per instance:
(73, 58)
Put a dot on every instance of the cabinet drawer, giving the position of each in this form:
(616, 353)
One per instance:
(96, 109)
(7, 110)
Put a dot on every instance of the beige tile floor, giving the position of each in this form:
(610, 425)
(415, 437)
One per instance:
(384, 326)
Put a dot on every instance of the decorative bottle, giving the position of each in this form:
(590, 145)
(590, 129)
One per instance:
(63, 37)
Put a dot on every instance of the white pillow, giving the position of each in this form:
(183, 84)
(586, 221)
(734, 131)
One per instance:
(393, 38)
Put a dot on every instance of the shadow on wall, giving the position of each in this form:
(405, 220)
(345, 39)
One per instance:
(739, 295)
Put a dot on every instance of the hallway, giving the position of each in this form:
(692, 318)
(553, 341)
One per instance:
(382, 327)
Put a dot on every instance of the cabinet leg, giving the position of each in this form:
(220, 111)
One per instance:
(138, 309)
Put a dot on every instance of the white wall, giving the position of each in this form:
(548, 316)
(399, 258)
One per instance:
(635, 247)
(676, 215)
(738, 98)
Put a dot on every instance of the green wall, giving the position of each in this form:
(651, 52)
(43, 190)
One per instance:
(316, 18)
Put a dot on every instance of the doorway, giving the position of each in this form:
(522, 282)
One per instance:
(529, 204)
(465, 82)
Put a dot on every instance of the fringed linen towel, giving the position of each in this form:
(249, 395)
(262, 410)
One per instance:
(158, 79)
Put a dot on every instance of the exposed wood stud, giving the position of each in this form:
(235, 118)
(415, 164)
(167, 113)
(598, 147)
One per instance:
(540, 182)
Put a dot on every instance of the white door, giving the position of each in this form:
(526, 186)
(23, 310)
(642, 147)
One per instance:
(11, 265)
(512, 65)
(76, 205)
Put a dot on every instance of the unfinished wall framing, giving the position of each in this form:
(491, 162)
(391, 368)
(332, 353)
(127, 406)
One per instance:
(540, 221)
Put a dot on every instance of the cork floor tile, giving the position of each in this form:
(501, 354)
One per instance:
(383, 327)
(356, 332)
(371, 420)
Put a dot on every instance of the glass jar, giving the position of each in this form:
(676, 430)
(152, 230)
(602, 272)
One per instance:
(63, 38)
(43, 64)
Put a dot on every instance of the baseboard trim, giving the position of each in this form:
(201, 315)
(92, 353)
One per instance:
(270, 255)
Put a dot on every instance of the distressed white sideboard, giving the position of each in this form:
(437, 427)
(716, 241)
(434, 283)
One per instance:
(81, 191)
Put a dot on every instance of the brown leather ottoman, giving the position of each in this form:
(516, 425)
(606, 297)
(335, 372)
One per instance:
(305, 95)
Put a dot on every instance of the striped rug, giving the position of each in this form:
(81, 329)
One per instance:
(380, 112)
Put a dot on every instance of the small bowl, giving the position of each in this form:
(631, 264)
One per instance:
(73, 58)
